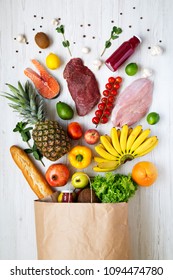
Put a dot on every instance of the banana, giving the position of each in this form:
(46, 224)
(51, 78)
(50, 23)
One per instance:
(146, 145)
(100, 159)
(108, 165)
(108, 138)
(98, 169)
(134, 134)
(103, 153)
(139, 140)
(115, 140)
(123, 138)
(147, 150)
(129, 131)
(108, 146)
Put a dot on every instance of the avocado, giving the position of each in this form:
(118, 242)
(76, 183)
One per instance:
(64, 111)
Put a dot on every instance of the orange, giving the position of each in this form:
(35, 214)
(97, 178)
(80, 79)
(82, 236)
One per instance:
(144, 173)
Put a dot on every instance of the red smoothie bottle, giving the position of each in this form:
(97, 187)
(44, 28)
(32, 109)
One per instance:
(122, 53)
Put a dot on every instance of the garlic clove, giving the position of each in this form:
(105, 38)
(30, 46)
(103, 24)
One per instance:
(55, 21)
(156, 50)
(85, 50)
(146, 73)
(21, 38)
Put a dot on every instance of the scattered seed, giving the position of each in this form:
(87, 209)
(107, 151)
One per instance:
(13, 67)
(42, 17)
(141, 17)
(121, 14)
(89, 24)
(81, 25)
(33, 29)
(130, 26)
(112, 21)
(134, 8)
(160, 41)
(14, 38)
(41, 26)
(17, 51)
(74, 42)
(59, 18)
(84, 36)
(148, 29)
(39, 51)
(35, 16)
(149, 48)
(93, 37)
(27, 43)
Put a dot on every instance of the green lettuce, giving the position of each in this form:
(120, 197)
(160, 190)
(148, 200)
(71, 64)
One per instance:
(114, 187)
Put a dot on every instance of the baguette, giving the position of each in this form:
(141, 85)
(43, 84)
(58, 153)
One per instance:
(33, 176)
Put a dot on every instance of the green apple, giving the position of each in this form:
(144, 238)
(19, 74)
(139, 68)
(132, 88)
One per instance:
(79, 180)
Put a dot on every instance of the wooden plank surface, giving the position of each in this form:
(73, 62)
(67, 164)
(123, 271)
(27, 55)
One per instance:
(150, 211)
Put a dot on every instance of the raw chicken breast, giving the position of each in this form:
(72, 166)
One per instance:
(133, 103)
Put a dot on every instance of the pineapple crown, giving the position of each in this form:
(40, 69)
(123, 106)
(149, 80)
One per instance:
(27, 102)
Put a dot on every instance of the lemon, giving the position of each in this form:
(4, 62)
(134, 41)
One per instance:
(153, 118)
(131, 69)
(52, 61)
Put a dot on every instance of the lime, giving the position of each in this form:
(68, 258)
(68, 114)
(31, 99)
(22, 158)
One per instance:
(131, 69)
(52, 61)
(153, 118)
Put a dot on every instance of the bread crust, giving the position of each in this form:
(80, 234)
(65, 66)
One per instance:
(33, 176)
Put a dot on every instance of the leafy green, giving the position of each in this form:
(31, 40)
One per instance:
(114, 35)
(65, 43)
(114, 187)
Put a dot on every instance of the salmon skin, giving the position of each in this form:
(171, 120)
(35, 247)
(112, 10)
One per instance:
(47, 86)
(133, 103)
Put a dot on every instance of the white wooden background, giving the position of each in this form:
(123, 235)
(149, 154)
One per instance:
(151, 210)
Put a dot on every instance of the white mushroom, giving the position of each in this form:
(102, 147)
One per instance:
(147, 73)
(55, 21)
(85, 50)
(21, 38)
(97, 64)
(156, 50)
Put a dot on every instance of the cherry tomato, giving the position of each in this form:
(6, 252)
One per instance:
(95, 120)
(111, 99)
(109, 105)
(101, 106)
(108, 86)
(74, 130)
(104, 119)
(116, 86)
(111, 80)
(106, 92)
(113, 92)
(98, 113)
(118, 79)
(107, 112)
(104, 100)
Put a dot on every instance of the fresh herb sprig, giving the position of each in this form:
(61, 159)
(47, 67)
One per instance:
(65, 43)
(114, 35)
(24, 131)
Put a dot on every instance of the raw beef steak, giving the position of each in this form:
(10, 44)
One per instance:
(82, 85)
(133, 103)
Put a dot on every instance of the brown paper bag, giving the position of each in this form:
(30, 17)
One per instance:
(81, 231)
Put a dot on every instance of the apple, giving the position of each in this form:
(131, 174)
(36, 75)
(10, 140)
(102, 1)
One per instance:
(57, 175)
(91, 136)
(79, 180)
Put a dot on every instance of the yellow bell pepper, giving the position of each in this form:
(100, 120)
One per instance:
(80, 157)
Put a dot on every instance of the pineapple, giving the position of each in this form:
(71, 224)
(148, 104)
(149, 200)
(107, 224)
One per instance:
(49, 137)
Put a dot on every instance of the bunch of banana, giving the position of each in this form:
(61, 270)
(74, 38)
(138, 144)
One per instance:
(121, 146)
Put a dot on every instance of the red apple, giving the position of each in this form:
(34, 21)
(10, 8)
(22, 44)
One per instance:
(57, 175)
(91, 136)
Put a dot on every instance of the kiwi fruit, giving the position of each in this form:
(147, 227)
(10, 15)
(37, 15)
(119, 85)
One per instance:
(42, 40)
(87, 195)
